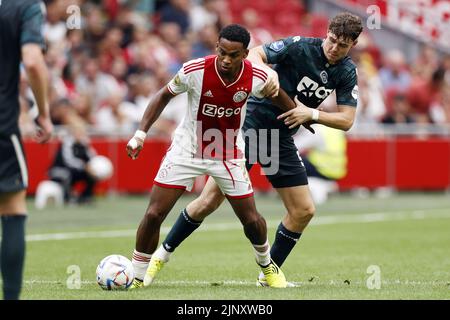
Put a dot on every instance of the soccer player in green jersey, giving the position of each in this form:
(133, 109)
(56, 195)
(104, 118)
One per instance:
(309, 70)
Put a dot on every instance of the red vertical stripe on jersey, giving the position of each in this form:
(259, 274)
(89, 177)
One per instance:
(219, 111)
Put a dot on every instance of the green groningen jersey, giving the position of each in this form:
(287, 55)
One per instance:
(303, 70)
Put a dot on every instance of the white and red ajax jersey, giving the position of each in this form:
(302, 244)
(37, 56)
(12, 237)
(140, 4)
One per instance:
(216, 111)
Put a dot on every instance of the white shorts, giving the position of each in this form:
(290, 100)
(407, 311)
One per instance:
(180, 172)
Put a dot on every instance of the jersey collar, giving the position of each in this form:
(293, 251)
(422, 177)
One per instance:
(223, 82)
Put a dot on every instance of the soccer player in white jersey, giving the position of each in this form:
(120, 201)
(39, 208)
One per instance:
(207, 142)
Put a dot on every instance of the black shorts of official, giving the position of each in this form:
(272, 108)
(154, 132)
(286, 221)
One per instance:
(285, 168)
(13, 166)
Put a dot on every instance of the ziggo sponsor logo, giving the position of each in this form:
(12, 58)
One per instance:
(211, 110)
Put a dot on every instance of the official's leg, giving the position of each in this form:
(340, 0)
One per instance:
(13, 216)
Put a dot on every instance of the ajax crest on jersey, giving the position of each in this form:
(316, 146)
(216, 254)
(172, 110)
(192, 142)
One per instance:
(115, 272)
(239, 96)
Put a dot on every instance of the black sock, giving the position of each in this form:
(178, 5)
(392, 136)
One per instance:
(285, 240)
(182, 228)
(12, 255)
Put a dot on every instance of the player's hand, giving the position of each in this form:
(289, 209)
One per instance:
(44, 129)
(297, 116)
(134, 147)
(272, 86)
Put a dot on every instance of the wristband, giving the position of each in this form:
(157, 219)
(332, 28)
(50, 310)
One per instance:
(141, 135)
(315, 114)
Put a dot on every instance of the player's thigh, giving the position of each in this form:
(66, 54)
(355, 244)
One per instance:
(297, 200)
(208, 201)
(13, 203)
(232, 178)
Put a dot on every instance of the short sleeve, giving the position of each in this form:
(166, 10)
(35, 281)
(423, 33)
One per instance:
(32, 19)
(279, 50)
(347, 90)
(259, 81)
(183, 80)
(179, 83)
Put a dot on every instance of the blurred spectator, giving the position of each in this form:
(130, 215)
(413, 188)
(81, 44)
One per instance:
(259, 34)
(110, 49)
(203, 14)
(423, 93)
(96, 84)
(394, 74)
(206, 44)
(116, 115)
(55, 29)
(177, 11)
(95, 25)
(440, 110)
(371, 106)
(70, 164)
(399, 111)
(425, 63)
(183, 53)
(210, 12)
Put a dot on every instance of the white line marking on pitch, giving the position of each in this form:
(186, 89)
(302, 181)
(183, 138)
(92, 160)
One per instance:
(326, 220)
(246, 283)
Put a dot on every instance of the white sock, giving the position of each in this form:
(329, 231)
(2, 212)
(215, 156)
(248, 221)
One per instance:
(162, 253)
(140, 263)
(262, 253)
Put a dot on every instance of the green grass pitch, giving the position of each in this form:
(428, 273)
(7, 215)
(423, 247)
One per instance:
(405, 237)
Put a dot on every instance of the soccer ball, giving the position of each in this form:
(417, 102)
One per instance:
(115, 272)
(101, 167)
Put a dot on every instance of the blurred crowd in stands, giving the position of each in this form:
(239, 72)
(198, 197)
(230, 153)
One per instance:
(105, 72)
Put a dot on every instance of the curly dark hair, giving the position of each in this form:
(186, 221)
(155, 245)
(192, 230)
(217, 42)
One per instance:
(346, 25)
(237, 33)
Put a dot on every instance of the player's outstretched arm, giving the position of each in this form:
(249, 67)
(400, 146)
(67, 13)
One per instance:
(343, 119)
(285, 103)
(258, 56)
(152, 112)
(33, 61)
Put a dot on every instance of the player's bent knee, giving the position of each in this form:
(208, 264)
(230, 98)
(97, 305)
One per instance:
(304, 213)
(154, 216)
(256, 229)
